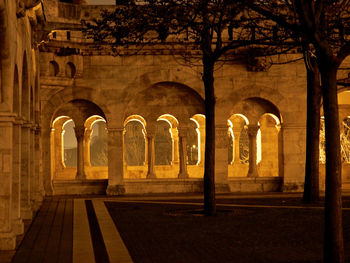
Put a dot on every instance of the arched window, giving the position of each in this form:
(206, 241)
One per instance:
(70, 70)
(98, 143)
(345, 141)
(69, 144)
(230, 146)
(244, 146)
(193, 143)
(53, 68)
(163, 143)
(134, 142)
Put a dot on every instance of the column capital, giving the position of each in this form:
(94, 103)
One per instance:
(115, 130)
(252, 129)
(79, 131)
(236, 130)
(27, 125)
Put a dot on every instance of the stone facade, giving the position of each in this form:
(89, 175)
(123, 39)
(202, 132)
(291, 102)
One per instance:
(149, 105)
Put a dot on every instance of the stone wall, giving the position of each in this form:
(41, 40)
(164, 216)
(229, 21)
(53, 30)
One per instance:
(20, 166)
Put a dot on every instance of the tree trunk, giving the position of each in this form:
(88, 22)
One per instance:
(209, 168)
(311, 186)
(333, 229)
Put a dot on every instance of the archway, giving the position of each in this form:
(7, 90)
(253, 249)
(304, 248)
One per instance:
(75, 134)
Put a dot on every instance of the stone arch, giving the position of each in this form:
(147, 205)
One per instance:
(135, 117)
(32, 105)
(193, 143)
(254, 107)
(233, 101)
(52, 109)
(25, 98)
(70, 94)
(54, 68)
(172, 98)
(238, 139)
(16, 92)
(135, 140)
(70, 70)
(95, 141)
(69, 153)
(199, 119)
(270, 141)
(164, 142)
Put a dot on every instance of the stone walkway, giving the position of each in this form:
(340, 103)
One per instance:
(248, 228)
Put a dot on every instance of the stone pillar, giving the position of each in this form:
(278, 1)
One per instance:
(293, 137)
(252, 132)
(151, 156)
(17, 223)
(183, 153)
(115, 162)
(236, 134)
(221, 159)
(7, 233)
(175, 133)
(58, 151)
(47, 157)
(79, 133)
(26, 208)
(87, 140)
(37, 191)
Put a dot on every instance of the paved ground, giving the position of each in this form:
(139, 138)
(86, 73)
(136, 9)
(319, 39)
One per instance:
(247, 228)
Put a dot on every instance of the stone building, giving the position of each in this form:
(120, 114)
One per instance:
(75, 119)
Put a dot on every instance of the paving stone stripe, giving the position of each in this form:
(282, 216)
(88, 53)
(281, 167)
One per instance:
(96, 238)
(82, 245)
(116, 249)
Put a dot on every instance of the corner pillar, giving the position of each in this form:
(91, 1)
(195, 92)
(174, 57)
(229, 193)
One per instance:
(7, 234)
(115, 162)
(26, 208)
(252, 134)
(221, 159)
(17, 222)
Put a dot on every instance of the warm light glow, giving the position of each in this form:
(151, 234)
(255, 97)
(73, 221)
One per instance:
(275, 118)
(243, 117)
(258, 146)
(136, 118)
(58, 118)
(199, 140)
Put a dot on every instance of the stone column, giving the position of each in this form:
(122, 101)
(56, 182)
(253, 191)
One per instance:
(175, 133)
(17, 223)
(221, 159)
(47, 157)
(183, 153)
(37, 190)
(26, 208)
(236, 134)
(79, 133)
(293, 156)
(151, 156)
(115, 162)
(252, 132)
(87, 139)
(7, 233)
(58, 151)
